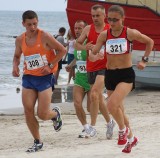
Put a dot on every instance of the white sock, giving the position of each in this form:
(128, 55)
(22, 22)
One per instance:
(86, 126)
(93, 127)
(130, 140)
(123, 130)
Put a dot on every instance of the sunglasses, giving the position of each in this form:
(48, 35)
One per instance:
(112, 19)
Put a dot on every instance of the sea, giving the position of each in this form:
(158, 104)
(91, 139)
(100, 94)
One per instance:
(11, 26)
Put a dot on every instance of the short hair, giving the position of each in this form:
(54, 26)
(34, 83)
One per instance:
(117, 8)
(79, 21)
(29, 14)
(97, 6)
(62, 30)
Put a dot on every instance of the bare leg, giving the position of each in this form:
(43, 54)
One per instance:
(29, 98)
(78, 96)
(56, 75)
(97, 100)
(114, 103)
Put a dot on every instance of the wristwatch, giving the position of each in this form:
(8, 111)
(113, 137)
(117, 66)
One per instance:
(50, 65)
(145, 59)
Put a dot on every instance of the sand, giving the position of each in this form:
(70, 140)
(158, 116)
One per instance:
(142, 107)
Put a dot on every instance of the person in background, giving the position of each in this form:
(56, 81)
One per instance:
(70, 50)
(40, 62)
(96, 70)
(120, 76)
(60, 38)
(81, 85)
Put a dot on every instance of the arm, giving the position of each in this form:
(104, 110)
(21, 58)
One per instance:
(17, 57)
(52, 43)
(69, 67)
(95, 54)
(136, 35)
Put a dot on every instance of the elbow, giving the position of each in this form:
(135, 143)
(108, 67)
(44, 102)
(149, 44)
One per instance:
(64, 51)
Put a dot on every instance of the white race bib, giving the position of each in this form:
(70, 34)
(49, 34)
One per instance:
(116, 46)
(34, 61)
(81, 66)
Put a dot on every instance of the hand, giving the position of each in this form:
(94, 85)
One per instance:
(15, 72)
(141, 65)
(89, 45)
(46, 70)
(100, 56)
(68, 68)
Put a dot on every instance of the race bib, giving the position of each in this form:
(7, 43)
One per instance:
(34, 61)
(81, 66)
(116, 46)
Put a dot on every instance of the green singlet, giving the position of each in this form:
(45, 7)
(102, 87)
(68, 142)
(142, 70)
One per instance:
(81, 78)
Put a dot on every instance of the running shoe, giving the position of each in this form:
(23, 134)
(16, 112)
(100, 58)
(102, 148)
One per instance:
(110, 127)
(83, 134)
(129, 146)
(36, 147)
(91, 132)
(57, 122)
(123, 137)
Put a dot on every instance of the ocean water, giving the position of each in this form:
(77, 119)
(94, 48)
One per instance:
(11, 25)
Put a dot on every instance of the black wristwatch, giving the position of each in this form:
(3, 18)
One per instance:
(50, 65)
(145, 59)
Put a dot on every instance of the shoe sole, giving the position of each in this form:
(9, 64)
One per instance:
(59, 110)
(109, 138)
(136, 143)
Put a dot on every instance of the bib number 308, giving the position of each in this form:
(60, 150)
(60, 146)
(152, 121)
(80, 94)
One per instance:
(34, 61)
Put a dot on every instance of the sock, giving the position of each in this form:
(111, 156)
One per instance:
(86, 126)
(93, 126)
(123, 130)
(130, 140)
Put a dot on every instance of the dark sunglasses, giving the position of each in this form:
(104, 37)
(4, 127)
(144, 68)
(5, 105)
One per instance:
(112, 19)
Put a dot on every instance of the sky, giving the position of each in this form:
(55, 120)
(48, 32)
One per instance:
(36, 5)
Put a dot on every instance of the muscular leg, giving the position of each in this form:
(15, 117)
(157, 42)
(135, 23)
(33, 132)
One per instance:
(126, 121)
(88, 101)
(29, 98)
(114, 103)
(78, 96)
(97, 100)
(103, 108)
(56, 75)
(44, 100)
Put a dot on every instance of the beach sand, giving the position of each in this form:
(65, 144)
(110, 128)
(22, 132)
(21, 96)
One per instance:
(142, 107)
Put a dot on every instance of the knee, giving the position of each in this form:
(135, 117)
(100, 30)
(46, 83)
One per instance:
(94, 95)
(43, 115)
(77, 104)
(28, 112)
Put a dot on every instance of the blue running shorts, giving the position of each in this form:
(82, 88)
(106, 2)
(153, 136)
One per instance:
(38, 83)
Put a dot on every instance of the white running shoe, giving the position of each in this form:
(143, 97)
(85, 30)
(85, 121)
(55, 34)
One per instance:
(91, 132)
(110, 127)
(83, 134)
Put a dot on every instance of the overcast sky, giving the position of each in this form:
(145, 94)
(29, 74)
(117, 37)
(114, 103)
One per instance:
(36, 5)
